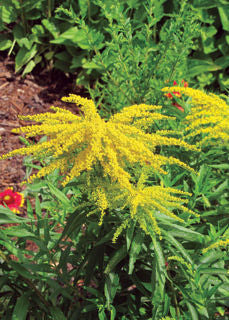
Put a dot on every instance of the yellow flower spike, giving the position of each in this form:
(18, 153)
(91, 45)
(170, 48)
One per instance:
(101, 201)
(209, 114)
(120, 229)
(220, 243)
(182, 261)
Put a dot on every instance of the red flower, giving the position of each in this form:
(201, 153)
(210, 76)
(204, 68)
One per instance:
(184, 83)
(177, 94)
(13, 200)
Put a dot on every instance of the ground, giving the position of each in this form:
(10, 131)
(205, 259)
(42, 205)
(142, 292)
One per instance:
(32, 94)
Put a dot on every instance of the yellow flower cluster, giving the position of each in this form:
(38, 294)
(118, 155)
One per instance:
(100, 198)
(209, 114)
(221, 243)
(77, 143)
(183, 262)
(145, 203)
(86, 142)
(148, 200)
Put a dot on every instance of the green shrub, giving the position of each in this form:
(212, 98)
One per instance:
(68, 34)
(209, 63)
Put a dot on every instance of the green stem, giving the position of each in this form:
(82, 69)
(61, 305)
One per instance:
(174, 295)
(49, 12)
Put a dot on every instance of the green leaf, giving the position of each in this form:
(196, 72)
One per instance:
(7, 216)
(220, 166)
(112, 312)
(91, 65)
(76, 61)
(135, 249)
(160, 264)
(83, 7)
(24, 56)
(63, 56)
(74, 223)
(41, 267)
(84, 40)
(223, 62)
(224, 16)
(89, 307)
(74, 35)
(178, 246)
(178, 231)
(57, 314)
(38, 30)
(206, 4)
(62, 65)
(38, 206)
(18, 232)
(29, 67)
(213, 271)
(207, 34)
(193, 311)
(8, 13)
(129, 234)
(110, 287)
(197, 66)
(51, 27)
(59, 195)
(187, 234)
(22, 307)
(92, 262)
(20, 269)
(5, 43)
(213, 290)
(108, 236)
(119, 255)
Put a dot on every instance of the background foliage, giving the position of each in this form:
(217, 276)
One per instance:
(67, 34)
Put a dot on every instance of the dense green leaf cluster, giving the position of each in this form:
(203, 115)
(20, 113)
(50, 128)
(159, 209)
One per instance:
(209, 63)
(67, 34)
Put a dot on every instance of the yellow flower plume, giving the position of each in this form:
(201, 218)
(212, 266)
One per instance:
(79, 142)
(144, 204)
(209, 114)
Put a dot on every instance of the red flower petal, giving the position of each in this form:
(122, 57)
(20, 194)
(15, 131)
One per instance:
(13, 200)
(169, 95)
(184, 83)
(178, 106)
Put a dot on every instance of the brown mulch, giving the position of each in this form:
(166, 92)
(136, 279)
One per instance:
(32, 94)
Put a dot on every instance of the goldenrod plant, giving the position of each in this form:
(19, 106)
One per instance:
(122, 222)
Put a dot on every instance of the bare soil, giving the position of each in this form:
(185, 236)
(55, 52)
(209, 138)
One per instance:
(32, 94)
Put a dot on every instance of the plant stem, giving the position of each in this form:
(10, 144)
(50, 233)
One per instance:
(49, 12)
